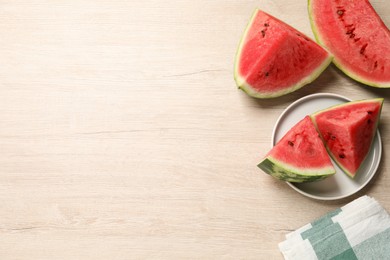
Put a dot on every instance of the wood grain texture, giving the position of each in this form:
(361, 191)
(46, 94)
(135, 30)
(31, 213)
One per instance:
(123, 135)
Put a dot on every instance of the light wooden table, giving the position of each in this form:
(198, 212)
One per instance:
(123, 135)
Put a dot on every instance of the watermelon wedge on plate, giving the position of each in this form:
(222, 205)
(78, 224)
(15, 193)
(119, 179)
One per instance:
(274, 59)
(348, 131)
(356, 36)
(300, 156)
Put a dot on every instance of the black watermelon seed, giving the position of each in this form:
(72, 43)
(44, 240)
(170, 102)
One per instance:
(363, 48)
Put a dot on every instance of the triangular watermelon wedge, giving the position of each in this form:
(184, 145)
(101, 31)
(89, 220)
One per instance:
(300, 156)
(274, 59)
(356, 36)
(348, 131)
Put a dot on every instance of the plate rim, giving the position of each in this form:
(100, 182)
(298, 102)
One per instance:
(302, 100)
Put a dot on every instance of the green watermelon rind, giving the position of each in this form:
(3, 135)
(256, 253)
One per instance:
(248, 89)
(339, 64)
(312, 116)
(286, 172)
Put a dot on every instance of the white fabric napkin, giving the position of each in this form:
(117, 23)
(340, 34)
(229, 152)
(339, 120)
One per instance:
(358, 230)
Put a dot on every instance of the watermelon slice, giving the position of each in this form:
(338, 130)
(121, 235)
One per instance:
(274, 59)
(300, 156)
(348, 131)
(356, 36)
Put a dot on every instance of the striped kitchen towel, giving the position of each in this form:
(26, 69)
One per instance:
(359, 230)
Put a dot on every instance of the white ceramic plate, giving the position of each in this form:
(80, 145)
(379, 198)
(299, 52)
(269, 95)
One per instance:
(339, 185)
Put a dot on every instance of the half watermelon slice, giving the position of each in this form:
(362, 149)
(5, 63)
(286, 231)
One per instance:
(356, 36)
(348, 130)
(300, 156)
(274, 59)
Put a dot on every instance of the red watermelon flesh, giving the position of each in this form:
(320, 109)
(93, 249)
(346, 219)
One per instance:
(356, 36)
(348, 131)
(300, 156)
(274, 59)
